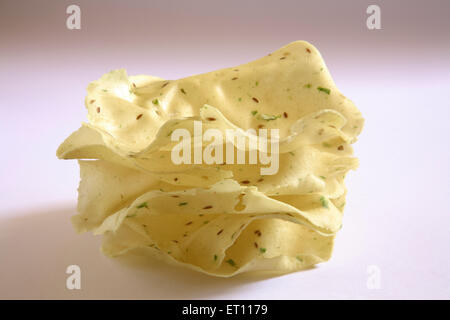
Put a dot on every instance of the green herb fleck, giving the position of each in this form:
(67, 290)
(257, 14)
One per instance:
(324, 202)
(254, 112)
(292, 153)
(231, 262)
(269, 117)
(324, 178)
(326, 90)
(239, 99)
(308, 85)
(256, 83)
(155, 102)
(206, 222)
(183, 91)
(182, 204)
(262, 250)
(215, 257)
(142, 205)
(299, 259)
(326, 145)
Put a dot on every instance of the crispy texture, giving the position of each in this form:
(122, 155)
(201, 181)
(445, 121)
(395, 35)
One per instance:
(218, 219)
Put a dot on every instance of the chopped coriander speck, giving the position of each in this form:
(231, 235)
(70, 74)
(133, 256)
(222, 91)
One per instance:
(324, 202)
(142, 205)
(308, 85)
(299, 259)
(262, 250)
(292, 153)
(182, 204)
(326, 90)
(256, 83)
(155, 102)
(254, 112)
(206, 222)
(231, 262)
(326, 145)
(239, 99)
(215, 257)
(269, 117)
(323, 177)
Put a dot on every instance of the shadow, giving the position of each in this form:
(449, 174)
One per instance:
(39, 245)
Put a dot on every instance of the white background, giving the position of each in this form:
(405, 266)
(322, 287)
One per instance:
(397, 214)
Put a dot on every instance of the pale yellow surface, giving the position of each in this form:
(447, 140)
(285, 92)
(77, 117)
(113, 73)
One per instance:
(218, 219)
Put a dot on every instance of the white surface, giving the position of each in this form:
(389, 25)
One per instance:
(397, 218)
(398, 213)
